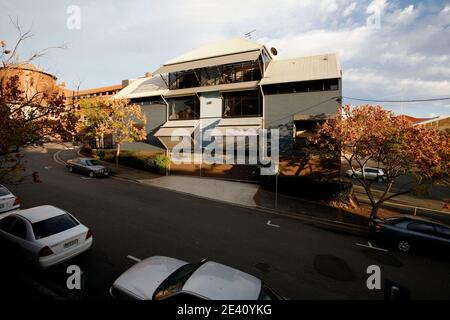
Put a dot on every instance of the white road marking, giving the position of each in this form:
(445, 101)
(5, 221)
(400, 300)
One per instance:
(48, 167)
(370, 246)
(269, 223)
(86, 178)
(134, 258)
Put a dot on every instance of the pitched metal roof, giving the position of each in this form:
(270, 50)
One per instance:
(217, 53)
(324, 66)
(143, 87)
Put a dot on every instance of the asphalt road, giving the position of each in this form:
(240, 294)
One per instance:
(299, 260)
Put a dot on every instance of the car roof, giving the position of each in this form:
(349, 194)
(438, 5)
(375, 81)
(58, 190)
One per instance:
(216, 281)
(40, 213)
(86, 159)
(144, 277)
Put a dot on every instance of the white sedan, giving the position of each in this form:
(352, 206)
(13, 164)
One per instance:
(44, 235)
(8, 202)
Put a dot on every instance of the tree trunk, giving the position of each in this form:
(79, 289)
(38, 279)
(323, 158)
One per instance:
(374, 212)
(117, 155)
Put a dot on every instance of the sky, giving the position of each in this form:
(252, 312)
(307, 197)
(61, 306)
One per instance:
(389, 50)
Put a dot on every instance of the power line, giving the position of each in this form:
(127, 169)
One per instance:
(410, 100)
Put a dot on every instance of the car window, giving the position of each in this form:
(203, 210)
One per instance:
(443, 232)
(49, 227)
(19, 229)
(4, 191)
(267, 294)
(174, 283)
(184, 297)
(6, 223)
(93, 162)
(421, 227)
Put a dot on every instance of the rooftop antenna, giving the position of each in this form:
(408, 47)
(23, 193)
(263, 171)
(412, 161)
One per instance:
(248, 35)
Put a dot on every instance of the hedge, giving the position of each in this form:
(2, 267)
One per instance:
(143, 160)
(309, 188)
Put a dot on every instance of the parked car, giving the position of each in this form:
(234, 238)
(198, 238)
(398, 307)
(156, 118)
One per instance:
(8, 202)
(89, 166)
(408, 232)
(369, 173)
(158, 278)
(44, 236)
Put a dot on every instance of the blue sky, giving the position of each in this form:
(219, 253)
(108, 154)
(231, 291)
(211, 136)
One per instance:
(405, 56)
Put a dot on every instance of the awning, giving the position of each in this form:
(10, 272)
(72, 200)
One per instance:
(175, 132)
(247, 85)
(236, 131)
(209, 62)
(312, 117)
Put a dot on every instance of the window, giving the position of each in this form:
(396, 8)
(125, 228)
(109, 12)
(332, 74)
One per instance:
(267, 294)
(303, 130)
(174, 283)
(184, 108)
(421, 228)
(49, 227)
(303, 86)
(443, 231)
(6, 223)
(242, 104)
(4, 191)
(220, 74)
(19, 229)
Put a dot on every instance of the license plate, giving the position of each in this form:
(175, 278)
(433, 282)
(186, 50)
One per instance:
(71, 243)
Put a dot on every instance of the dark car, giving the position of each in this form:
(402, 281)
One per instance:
(408, 232)
(89, 166)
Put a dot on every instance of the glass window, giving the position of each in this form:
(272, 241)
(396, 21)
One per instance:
(242, 104)
(421, 227)
(184, 108)
(267, 294)
(303, 86)
(93, 163)
(48, 227)
(443, 231)
(19, 229)
(4, 191)
(6, 223)
(174, 283)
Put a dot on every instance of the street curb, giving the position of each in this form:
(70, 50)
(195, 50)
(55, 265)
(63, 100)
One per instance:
(342, 226)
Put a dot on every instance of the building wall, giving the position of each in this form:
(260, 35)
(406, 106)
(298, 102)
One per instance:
(279, 110)
(156, 115)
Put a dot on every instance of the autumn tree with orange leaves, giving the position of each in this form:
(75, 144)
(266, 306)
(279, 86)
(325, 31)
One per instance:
(369, 135)
(30, 113)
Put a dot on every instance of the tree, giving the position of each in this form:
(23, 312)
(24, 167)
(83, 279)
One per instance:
(31, 113)
(116, 117)
(370, 135)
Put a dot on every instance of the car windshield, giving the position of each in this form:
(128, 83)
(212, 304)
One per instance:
(4, 191)
(49, 227)
(93, 163)
(174, 283)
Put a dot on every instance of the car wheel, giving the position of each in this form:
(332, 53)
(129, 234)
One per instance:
(380, 179)
(403, 246)
(91, 174)
(70, 169)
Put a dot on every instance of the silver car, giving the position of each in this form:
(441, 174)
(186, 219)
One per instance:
(369, 174)
(8, 202)
(88, 166)
(159, 278)
(44, 236)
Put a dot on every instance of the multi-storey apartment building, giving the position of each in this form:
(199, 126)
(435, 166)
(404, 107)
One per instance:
(238, 84)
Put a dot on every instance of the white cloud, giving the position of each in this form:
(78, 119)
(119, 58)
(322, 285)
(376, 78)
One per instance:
(349, 10)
